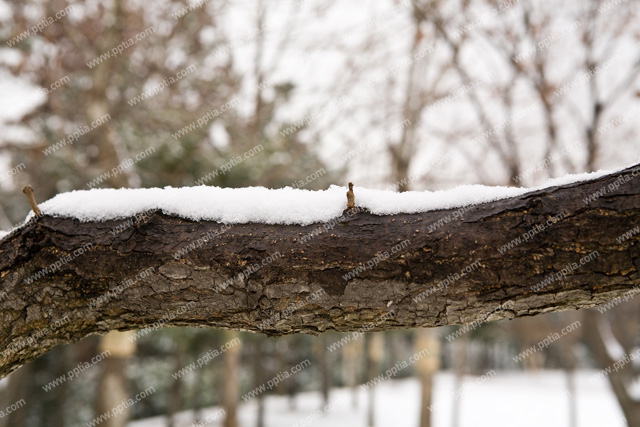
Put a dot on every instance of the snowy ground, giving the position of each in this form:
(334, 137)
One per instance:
(507, 399)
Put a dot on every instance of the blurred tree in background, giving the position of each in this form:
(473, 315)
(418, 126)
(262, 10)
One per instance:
(398, 109)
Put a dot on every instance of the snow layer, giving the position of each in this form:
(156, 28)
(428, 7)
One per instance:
(272, 206)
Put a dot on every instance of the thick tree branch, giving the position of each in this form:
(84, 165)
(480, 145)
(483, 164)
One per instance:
(62, 279)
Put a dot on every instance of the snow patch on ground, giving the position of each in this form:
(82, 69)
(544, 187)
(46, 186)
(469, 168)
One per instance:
(506, 399)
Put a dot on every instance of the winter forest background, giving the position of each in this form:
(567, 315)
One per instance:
(398, 95)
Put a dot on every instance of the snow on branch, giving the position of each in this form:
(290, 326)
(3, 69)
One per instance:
(287, 261)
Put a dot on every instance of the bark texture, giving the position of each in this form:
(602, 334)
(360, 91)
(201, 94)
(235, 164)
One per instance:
(271, 279)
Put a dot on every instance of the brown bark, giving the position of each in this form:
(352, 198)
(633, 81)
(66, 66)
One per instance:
(199, 289)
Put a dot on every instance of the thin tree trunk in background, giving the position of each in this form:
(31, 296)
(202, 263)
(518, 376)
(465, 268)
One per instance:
(198, 397)
(4, 401)
(175, 389)
(572, 398)
(426, 397)
(427, 366)
(351, 352)
(112, 385)
(261, 411)
(61, 366)
(231, 389)
(17, 390)
(324, 370)
(568, 350)
(284, 348)
(460, 368)
(371, 371)
(111, 151)
(5, 222)
(404, 151)
(374, 351)
(258, 375)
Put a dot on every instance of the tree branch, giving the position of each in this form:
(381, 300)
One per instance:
(62, 279)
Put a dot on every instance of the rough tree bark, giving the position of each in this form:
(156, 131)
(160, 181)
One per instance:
(204, 287)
